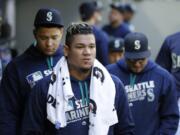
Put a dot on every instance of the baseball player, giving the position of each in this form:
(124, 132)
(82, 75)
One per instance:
(169, 58)
(116, 27)
(91, 14)
(116, 50)
(151, 89)
(24, 72)
(129, 12)
(79, 107)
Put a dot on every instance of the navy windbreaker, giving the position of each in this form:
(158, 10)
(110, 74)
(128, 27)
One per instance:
(19, 76)
(35, 119)
(120, 32)
(152, 98)
(169, 57)
(102, 41)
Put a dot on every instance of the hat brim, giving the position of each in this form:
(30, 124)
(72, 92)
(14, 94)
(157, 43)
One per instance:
(116, 50)
(49, 25)
(114, 6)
(140, 55)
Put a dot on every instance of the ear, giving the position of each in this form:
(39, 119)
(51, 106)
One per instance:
(62, 30)
(34, 33)
(66, 50)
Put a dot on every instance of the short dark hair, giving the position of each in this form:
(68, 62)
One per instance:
(75, 29)
(45, 26)
(87, 9)
(48, 26)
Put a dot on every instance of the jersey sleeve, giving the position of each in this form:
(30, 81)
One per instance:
(164, 56)
(125, 126)
(34, 120)
(169, 112)
(10, 102)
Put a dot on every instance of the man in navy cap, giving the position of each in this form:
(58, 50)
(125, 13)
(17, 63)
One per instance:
(117, 28)
(85, 112)
(151, 89)
(116, 50)
(129, 12)
(90, 13)
(26, 70)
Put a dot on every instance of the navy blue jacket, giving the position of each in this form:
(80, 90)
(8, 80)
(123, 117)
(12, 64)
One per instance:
(169, 57)
(102, 41)
(152, 98)
(120, 32)
(35, 119)
(19, 76)
(130, 26)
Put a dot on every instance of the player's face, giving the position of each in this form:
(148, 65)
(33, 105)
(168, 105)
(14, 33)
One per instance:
(115, 16)
(115, 56)
(48, 39)
(128, 16)
(97, 17)
(81, 52)
(136, 65)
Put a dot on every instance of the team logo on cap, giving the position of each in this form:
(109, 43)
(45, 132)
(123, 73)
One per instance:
(137, 45)
(116, 44)
(49, 16)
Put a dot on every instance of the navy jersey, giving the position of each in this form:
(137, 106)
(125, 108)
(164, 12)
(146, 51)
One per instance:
(102, 41)
(169, 57)
(130, 26)
(1, 69)
(19, 77)
(152, 98)
(119, 32)
(35, 118)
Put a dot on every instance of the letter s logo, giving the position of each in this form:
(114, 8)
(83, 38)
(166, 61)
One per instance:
(117, 44)
(49, 16)
(137, 44)
(150, 95)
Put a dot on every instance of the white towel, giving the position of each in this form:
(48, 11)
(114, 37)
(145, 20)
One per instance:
(102, 93)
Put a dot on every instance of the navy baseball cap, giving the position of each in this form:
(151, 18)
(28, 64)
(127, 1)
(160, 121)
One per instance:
(116, 45)
(130, 8)
(87, 9)
(48, 17)
(136, 46)
(118, 6)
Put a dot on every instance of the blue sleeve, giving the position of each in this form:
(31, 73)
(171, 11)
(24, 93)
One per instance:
(169, 112)
(164, 56)
(125, 125)
(113, 69)
(35, 112)
(102, 41)
(104, 28)
(126, 31)
(10, 102)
